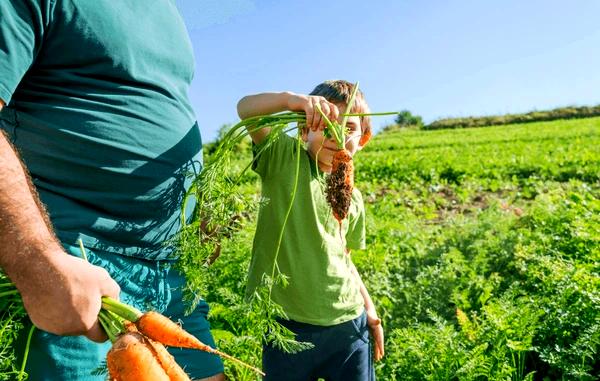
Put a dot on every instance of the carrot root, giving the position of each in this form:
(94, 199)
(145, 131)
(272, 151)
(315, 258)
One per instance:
(131, 359)
(340, 184)
(168, 363)
(163, 330)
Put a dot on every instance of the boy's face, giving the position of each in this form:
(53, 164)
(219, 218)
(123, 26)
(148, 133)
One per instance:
(322, 149)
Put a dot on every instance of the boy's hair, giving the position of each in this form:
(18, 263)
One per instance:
(339, 91)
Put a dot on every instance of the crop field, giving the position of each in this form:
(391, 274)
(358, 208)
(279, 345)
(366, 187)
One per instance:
(483, 254)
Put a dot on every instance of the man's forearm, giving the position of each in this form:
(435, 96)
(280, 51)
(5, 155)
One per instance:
(24, 227)
(61, 293)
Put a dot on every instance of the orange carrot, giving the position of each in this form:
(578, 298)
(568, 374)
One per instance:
(168, 363)
(340, 184)
(162, 329)
(131, 359)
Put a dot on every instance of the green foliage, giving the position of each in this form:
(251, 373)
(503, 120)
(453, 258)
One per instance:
(521, 155)
(533, 116)
(483, 254)
(12, 325)
(242, 146)
(405, 119)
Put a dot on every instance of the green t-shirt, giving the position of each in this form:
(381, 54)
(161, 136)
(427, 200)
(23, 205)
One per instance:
(97, 106)
(321, 290)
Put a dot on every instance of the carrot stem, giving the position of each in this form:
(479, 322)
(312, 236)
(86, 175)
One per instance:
(26, 354)
(7, 293)
(349, 107)
(83, 253)
(287, 215)
(105, 323)
(121, 309)
(332, 127)
(372, 113)
(228, 357)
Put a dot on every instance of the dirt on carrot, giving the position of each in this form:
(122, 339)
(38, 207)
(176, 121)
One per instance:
(131, 358)
(173, 370)
(340, 184)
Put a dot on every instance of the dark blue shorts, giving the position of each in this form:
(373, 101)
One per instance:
(342, 353)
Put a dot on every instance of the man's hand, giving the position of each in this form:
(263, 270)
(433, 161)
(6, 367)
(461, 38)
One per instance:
(376, 330)
(62, 294)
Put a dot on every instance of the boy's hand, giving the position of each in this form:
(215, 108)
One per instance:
(308, 104)
(376, 331)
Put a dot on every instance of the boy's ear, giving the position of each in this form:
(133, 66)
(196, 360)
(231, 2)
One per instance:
(364, 139)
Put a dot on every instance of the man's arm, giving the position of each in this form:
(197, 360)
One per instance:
(270, 103)
(373, 321)
(61, 293)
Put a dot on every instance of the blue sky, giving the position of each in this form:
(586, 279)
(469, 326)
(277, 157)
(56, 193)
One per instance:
(434, 58)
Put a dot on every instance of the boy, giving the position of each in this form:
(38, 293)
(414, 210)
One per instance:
(325, 300)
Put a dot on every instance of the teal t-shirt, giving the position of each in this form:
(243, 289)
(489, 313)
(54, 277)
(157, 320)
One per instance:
(97, 106)
(322, 289)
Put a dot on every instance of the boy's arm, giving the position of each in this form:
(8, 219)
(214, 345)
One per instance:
(374, 323)
(270, 103)
(61, 293)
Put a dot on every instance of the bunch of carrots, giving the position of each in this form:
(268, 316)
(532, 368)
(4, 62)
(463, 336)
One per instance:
(138, 351)
(139, 339)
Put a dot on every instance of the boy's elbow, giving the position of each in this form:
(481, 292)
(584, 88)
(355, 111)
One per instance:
(241, 108)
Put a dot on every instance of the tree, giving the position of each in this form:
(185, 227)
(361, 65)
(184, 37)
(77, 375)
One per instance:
(406, 119)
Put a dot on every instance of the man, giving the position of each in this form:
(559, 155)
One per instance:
(94, 107)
